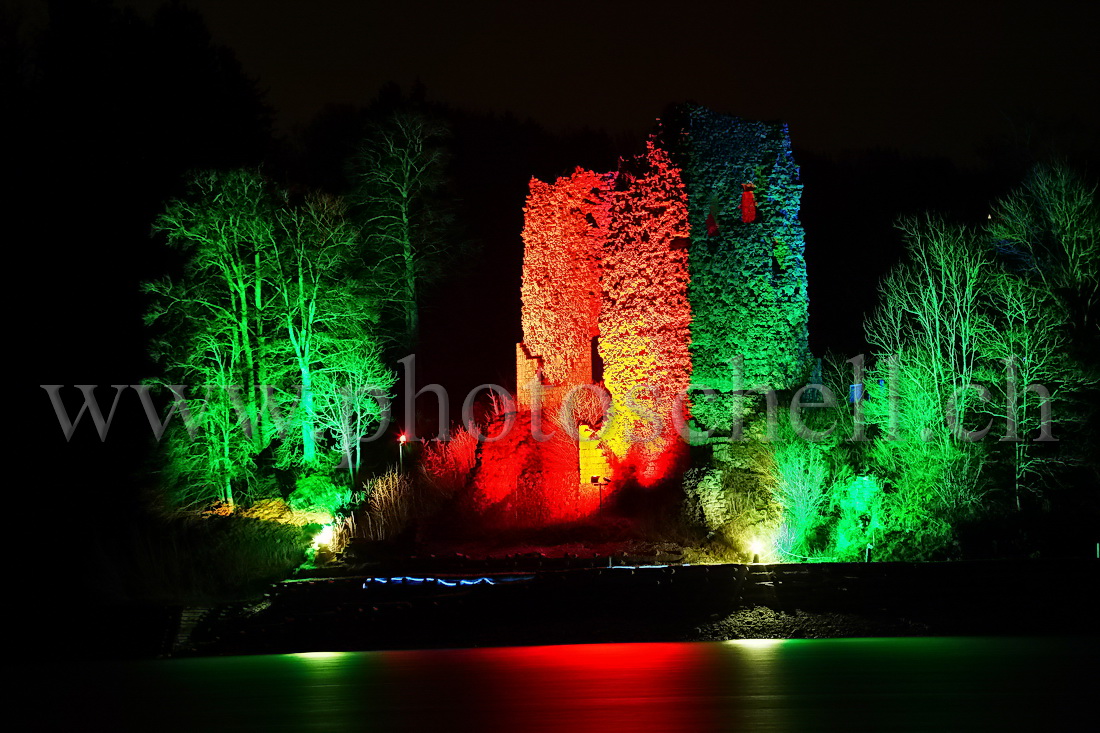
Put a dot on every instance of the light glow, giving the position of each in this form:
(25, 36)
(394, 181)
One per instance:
(325, 536)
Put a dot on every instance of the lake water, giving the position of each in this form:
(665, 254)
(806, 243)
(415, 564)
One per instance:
(938, 684)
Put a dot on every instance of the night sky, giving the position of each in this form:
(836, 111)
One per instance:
(931, 78)
(892, 111)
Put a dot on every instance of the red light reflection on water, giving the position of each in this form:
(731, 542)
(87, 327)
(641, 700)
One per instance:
(583, 688)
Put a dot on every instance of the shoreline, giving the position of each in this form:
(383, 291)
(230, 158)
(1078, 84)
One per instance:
(538, 606)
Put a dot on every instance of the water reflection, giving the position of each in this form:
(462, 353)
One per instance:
(842, 684)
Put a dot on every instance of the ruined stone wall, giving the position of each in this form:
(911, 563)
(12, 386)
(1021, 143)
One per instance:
(645, 318)
(685, 261)
(563, 233)
(748, 279)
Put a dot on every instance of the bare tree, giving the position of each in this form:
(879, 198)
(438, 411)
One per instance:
(352, 398)
(927, 334)
(322, 309)
(931, 310)
(399, 175)
(1027, 339)
(1052, 225)
(1048, 234)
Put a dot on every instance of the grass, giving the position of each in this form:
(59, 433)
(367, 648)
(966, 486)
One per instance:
(449, 464)
(185, 559)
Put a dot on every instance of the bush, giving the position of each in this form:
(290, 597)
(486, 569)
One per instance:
(395, 504)
(803, 478)
(449, 464)
(858, 508)
(733, 497)
(318, 491)
(185, 559)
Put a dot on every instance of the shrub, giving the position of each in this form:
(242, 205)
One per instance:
(802, 479)
(318, 491)
(733, 497)
(186, 559)
(449, 464)
(394, 504)
(858, 505)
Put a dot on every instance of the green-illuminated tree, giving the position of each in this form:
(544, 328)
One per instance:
(322, 309)
(1051, 224)
(211, 320)
(927, 335)
(352, 398)
(272, 300)
(399, 175)
(225, 227)
(982, 345)
(1044, 332)
(208, 454)
(831, 510)
(1029, 366)
(935, 477)
(932, 309)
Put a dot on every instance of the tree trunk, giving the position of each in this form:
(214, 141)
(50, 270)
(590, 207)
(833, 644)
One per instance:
(309, 420)
(411, 320)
